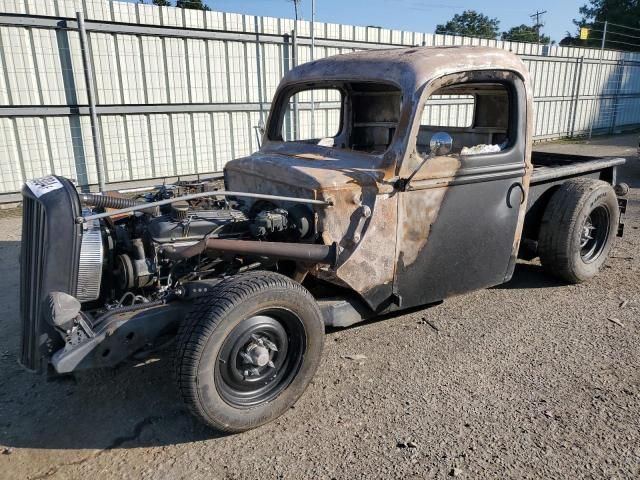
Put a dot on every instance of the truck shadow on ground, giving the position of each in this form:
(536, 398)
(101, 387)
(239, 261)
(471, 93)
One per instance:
(134, 406)
(126, 407)
(528, 275)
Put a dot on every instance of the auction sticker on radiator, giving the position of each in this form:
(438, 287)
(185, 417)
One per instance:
(43, 185)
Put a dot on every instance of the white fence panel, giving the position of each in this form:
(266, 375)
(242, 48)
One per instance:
(180, 104)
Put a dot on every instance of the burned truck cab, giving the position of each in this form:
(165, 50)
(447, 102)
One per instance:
(357, 128)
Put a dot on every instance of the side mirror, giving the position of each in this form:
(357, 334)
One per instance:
(441, 144)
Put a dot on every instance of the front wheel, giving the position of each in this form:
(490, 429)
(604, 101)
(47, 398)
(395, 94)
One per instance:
(578, 228)
(247, 351)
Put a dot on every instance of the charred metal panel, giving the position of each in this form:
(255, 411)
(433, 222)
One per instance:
(298, 168)
(460, 220)
(433, 234)
(370, 265)
(410, 69)
(455, 239)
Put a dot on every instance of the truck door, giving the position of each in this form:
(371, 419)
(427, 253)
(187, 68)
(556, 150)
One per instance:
(460, 215)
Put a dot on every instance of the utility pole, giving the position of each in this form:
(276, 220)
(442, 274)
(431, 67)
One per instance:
(313, 28)
(538, 24)
(313, 57)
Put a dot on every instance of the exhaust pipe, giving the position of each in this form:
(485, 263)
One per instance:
(299, 252)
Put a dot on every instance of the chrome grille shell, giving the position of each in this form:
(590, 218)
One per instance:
(49, 257)
(90, 265)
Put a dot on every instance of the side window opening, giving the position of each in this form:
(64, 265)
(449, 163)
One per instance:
(313, 116)
(476, 115)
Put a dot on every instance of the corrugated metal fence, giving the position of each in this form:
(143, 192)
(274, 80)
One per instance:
(180, 92)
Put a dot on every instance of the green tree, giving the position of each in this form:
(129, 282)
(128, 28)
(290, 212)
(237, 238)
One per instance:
(570, 41)
(472, 24)
(619, 12)
(161, 3)
(192, 4)
(524, 33)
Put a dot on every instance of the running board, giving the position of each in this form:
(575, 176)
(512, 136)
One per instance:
(340, 312)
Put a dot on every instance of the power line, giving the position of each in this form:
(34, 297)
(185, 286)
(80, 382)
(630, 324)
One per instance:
(614, 33)
(608, 40)
(619, 25)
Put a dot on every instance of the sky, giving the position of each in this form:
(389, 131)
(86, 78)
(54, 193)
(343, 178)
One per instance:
(415, 15)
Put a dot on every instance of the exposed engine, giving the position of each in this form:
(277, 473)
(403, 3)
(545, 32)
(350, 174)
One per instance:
(124, 258)
(133, 262)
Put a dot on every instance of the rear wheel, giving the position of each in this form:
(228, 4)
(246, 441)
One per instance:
(247, 352)
(578, 228)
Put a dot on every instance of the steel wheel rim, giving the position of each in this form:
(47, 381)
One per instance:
(260, 358)
(594, 234)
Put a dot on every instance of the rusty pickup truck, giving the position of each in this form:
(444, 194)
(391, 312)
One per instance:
(385, 180)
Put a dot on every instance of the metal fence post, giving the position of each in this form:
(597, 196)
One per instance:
(601, 94)
(294, 58)
(261, 124)
(576, 100)
(313, 57)
(616, 97)
(91, 96)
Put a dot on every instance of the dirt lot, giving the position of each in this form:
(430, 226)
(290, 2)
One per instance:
(531, 379)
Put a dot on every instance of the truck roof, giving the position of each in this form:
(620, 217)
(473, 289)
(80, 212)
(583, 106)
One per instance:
(409, 68)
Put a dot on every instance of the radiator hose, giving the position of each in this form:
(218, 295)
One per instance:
(106, 201)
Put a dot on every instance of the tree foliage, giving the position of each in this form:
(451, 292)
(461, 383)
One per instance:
(472, 24)
(524, 33)
(619, 12)
(192, 4)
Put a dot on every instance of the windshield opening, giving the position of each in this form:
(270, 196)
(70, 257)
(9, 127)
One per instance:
(359, 116)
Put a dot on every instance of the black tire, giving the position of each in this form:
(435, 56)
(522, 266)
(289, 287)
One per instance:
(577, 207)
(215, 380)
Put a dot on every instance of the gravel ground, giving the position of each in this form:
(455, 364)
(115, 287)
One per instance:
(531, 379)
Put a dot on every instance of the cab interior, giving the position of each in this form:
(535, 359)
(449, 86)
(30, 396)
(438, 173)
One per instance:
(364, 116)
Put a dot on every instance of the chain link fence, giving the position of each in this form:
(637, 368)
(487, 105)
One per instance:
(180, 92)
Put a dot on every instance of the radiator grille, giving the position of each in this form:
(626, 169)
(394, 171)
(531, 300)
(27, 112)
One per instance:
(32, 261)
(90, 267)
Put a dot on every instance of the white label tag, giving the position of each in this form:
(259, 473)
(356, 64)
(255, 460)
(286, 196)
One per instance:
(43, 185)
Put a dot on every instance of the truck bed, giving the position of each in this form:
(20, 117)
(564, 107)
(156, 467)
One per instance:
(549, 167)
(550, 170)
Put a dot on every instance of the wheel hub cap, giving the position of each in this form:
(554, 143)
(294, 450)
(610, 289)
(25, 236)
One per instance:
(259, 358)
(594, 234)
(587, 231)
(259, 352)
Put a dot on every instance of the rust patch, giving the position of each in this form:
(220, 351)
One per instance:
(372, 261)
(419, 206)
